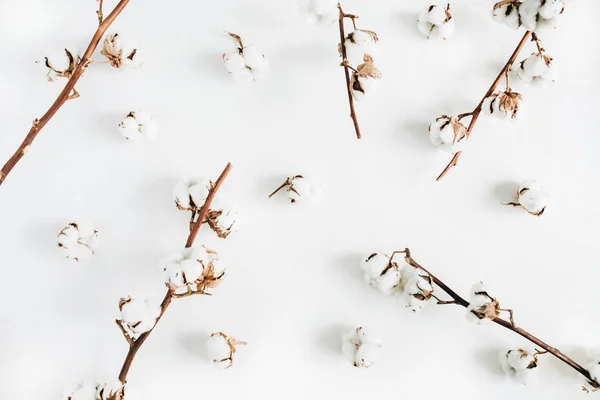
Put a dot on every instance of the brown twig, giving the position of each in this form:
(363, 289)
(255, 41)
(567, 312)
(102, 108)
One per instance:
(170, 295)
(458, 300)
(65, 94)
(346, 71)
(475, 113)
(99, 12)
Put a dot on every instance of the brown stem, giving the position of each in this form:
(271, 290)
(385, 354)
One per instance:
(506, 324)
(170, 295)
(99, 12)
(346, 72)
(492, 89)
(284, 184)
(538, 44)
(65, 93)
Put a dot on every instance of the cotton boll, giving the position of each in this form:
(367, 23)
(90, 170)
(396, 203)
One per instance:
(221, 348)
(417, 287)
(551, 9)
(365, 80)
(508, 14)
(518, 364)
(138, 314)
(61, 64)
(191, 194)
(536, 67)
(234, 62)
(381, 273)
(436, 22)
(374, 265)
(482, 307)
(361, 347)
(436, 15)
(120, 52)
(361, 43)
(222, 218)
(533, 197)
(78, 241)
(253, 57)
(193, 270)
(503, 105)
(448, 134)
(138, 125)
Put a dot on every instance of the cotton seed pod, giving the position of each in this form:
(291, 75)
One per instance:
(300, 188)
(119, 52)
(190, 194)
(221, 348)
(319, 11)
(245, 63)
(518, 364)
(533, 15)
(536, 67)
(381, 273)
(78, 241)
(193, 270)
(483, 308)
(138, 314)
(361, 347)
(365, 79)
(532, 196)
(448, 134)
(502, 104)
(138, 125)
(417, 287)
(61, 64)
(436, 22)
(360, 43)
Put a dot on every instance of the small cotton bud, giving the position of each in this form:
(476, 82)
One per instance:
(138, 125)
(536, 67)
(245, 63)
(448, 134)
(482, 308)
(138, 314)
(191, 194)
(533, 197)
(193, 270)
(319, 11)
(78, 241)
(119, 52)
(365, 79)
(436, 22)
(360, 43)
(61, 64)
(502, 104)
(518, 364)
(533, 15)
(361, 347)
(300, 188)
(417, 287)
(381, 273)
(221, 348)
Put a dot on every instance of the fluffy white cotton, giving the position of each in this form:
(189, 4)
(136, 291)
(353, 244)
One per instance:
(381, 273)
(503, 105)
(533, 15)
(120, 52)
(138, 125)
(78, 241)
(192, 269)
(366, 84)
(220, 349)
(482, 307)
(138, 314)
(533, 197)
(319, 11)
(223, 218)
(518, 364)
(417, 287)
(361, 43)
(299, 188)
(191, 194)
(592, 365)
(536, 67)
(361, 347)
(436, 22)
(448, 134)
(246, 63)
(60, 64)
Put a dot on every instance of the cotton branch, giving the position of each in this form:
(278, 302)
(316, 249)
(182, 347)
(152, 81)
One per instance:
(346, 66)
(68, 91)
(458, 300)
(170, 295)
(475, 113)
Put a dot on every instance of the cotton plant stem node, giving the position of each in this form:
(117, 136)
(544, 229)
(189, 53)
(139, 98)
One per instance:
(68, 91)
(510, 324)
(135, 345)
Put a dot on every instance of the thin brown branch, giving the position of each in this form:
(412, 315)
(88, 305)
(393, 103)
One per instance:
(506, 324)
(73, 95)
(99, 12)
(346, 71)
(538, 43)
(284, 184)
(475, 113)
(65, 93)
(124, 332)
(170, 295)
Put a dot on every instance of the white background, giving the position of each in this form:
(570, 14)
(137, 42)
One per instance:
(293, 286)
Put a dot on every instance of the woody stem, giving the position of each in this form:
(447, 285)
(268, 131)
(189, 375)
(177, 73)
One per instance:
(346, 71)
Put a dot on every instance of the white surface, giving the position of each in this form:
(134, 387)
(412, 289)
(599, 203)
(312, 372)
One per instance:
(293, 285)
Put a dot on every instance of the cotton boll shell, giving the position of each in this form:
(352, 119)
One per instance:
(487, 106)
(533, 197)
(302, 189)
(253, 57)
(234, 62)
(218, 350)
(520, 359)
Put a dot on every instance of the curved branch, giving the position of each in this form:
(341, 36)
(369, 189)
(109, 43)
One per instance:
(346, 68)
(65, 94)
